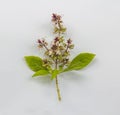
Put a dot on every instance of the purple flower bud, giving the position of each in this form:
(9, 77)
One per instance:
(54, 47)
(39, 41)
(54, 15)
(69, 41)
(56, 18)
(56, 39)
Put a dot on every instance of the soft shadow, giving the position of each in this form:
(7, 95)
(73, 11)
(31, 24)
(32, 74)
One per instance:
(41, 80)
(73, 76)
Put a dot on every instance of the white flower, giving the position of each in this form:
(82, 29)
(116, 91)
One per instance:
(57, 43)
(50, 52)
(58, 52)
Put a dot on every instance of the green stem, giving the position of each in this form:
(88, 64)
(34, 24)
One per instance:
(56, 62)
(57, 85)
(58, 90)
(59, 28)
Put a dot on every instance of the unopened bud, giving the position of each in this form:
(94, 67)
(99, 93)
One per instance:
(39, 41)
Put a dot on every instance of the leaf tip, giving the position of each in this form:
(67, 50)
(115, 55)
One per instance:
(91, 54)
(94, 55)
(33, 75)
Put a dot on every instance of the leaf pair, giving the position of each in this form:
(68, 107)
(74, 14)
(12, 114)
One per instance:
(79, 62)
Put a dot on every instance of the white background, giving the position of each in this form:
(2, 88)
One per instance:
(94, 26)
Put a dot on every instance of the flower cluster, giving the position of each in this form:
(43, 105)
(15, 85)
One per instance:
(59, 50)
(58, 28)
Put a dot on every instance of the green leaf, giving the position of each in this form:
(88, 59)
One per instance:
(54, 74)
(34, 63)
(41, 73)
(80, 61)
